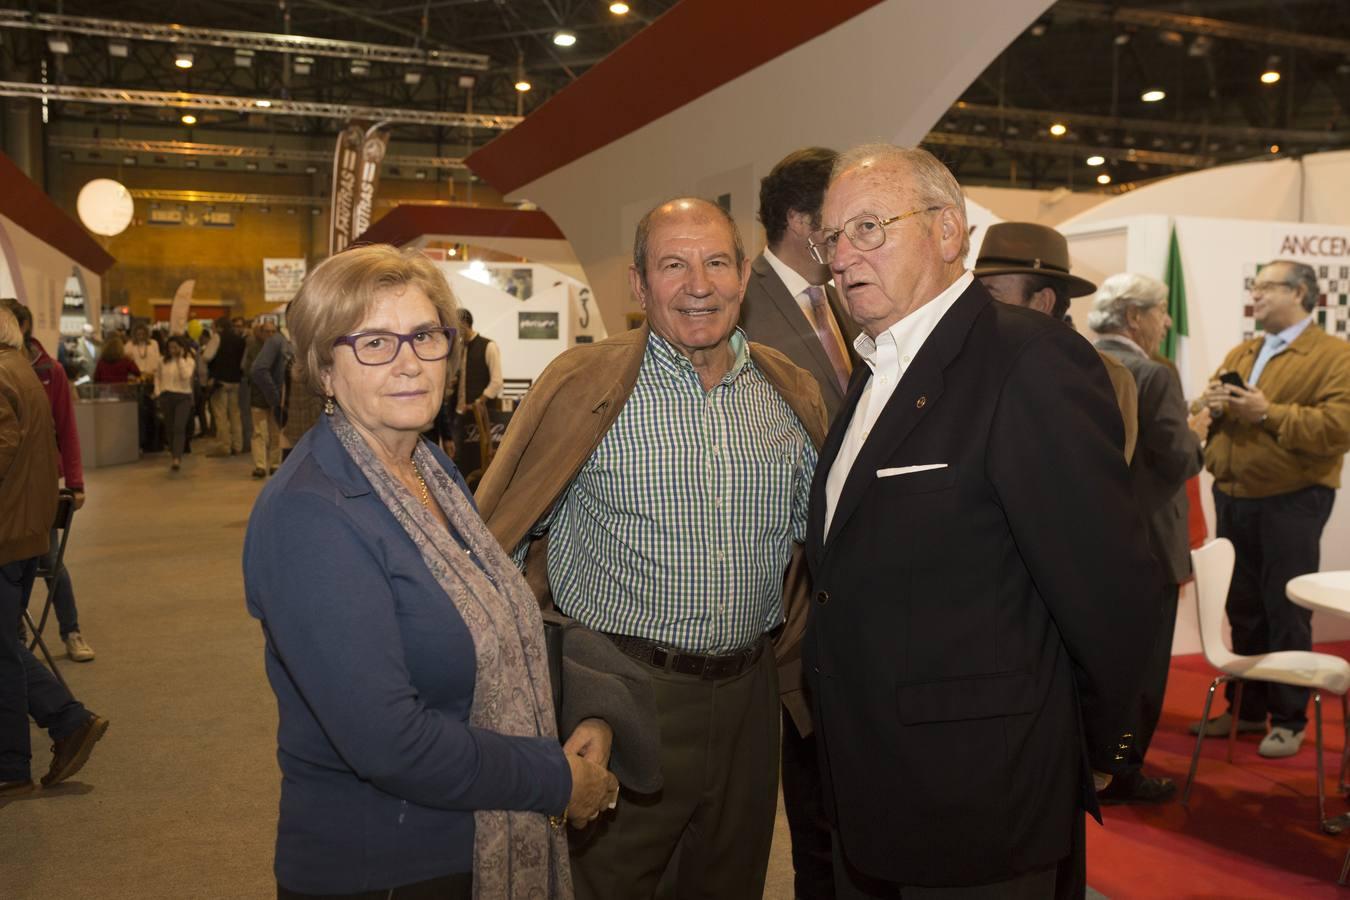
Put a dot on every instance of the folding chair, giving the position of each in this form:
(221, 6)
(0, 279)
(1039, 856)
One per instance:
(49, 570)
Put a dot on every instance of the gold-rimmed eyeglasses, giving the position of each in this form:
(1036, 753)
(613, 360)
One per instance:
(866, 232)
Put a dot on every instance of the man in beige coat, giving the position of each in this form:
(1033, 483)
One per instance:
(656, 486)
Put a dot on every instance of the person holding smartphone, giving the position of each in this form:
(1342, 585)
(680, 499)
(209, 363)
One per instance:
(1281, 409)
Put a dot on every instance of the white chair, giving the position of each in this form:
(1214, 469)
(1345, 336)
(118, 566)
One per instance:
(1319, 672)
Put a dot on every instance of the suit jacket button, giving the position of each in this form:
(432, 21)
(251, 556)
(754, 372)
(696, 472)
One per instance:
(822, 597)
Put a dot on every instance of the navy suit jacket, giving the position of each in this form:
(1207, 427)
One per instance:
(373, 671)
(978, 631)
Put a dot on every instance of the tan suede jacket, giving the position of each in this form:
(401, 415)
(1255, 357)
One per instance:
(563, 419)
(1307, 430)
(28, 460)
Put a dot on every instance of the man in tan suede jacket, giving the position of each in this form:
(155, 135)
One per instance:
(1275, 452)
(656, 485)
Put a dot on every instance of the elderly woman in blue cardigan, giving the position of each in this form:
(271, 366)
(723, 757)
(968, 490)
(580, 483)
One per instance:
(417, 743)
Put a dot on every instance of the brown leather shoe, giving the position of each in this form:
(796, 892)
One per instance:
(71, 752)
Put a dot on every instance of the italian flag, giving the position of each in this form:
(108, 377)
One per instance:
(1174, 348)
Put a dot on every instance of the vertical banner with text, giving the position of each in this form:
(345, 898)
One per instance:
(356, 173)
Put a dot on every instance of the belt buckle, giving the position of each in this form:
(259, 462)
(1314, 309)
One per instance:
(661, 657)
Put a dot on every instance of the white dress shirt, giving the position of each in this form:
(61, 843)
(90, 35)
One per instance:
(889, 357)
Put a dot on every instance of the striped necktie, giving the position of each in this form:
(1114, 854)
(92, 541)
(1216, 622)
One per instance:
(834, 349)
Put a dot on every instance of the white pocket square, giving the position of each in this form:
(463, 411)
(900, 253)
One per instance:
(909, 470)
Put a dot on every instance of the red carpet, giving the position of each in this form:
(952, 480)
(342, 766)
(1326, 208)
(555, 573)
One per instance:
(1251, 829)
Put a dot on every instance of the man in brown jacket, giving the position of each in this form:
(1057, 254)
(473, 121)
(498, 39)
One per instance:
(1275, 451)
(657, 485)
(28, 497)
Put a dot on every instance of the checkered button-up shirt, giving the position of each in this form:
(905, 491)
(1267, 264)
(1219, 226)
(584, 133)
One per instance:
(679, 527)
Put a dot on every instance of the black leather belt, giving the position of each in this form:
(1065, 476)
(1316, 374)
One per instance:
(670, 659)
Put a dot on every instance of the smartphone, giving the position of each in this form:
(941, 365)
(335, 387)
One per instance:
(1234, 379)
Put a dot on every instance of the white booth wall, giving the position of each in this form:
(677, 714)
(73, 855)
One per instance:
(506, 319)
(36, 273)
(1219, 257)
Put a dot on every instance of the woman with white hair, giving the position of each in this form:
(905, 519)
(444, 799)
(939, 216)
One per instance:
(1129, 311)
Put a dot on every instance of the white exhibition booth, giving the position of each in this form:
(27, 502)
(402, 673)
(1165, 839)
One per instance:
(534, 312)
(1220, 255)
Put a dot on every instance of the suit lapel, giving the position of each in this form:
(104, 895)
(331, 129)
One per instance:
(815, 526)
(787, 307)
(918, 392)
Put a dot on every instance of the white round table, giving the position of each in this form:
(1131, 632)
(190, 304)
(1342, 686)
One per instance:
(1327, 592)
(1322, 592)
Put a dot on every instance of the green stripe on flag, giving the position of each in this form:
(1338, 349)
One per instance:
(1176, 300)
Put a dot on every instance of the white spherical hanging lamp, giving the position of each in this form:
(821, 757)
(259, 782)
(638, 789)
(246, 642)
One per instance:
(105, 206)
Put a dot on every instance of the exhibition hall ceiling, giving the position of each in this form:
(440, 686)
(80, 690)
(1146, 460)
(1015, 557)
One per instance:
(1092, 96)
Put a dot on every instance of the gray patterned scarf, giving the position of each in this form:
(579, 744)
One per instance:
(516, 855)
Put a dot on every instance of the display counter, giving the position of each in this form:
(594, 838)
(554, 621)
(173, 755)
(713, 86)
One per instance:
(106, 417)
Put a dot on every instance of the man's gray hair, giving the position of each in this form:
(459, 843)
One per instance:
(1304, 276)
(11, 336)
(1121, 293)
(934, 184)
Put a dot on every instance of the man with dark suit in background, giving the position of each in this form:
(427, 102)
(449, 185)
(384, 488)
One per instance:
(790, 306)
(981, 618)
(789, 303)
(1130, 313)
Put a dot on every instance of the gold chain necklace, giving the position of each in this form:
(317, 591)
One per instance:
(426, 495)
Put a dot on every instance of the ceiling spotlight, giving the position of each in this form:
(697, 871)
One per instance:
(251, 166)
(1270, 76)
(522, 85)
(1103, 178)
(1153, 95)
(183, 59)
(420, 175)
(189, 119)
(360, 67)
(1058, 129)
(128, 160)
(243, 59)
(1122, 39)
(619, 9)
(59, 44)
(262, 104)
(119, 49)
(311, 170)
(564, 39)
(412, 76)
(191, 164)
(302, 65)
(1039, 29)
(467, 82)
(1274, 148)
(1096, 160)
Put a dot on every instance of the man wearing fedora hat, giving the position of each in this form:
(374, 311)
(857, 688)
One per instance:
(1026, 264)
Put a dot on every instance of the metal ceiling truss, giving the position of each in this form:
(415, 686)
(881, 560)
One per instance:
(232, 198)
(236, 151)
(194, 36)
(1153, 126)
(276, 107)
(1045, 148)
(1169, 21)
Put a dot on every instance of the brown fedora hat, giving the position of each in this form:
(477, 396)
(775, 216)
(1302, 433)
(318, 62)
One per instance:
(1015, 248)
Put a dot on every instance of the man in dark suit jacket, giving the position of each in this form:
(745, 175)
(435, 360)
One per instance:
(789, 304)
(984, 592)
(1130, 314)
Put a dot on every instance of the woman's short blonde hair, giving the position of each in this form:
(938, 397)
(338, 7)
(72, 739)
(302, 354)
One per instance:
(339, 293)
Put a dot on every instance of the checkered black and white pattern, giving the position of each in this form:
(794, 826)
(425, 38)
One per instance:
(1332, 312)
(679, 527)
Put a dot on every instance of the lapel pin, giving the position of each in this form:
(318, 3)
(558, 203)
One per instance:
(921, 402)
